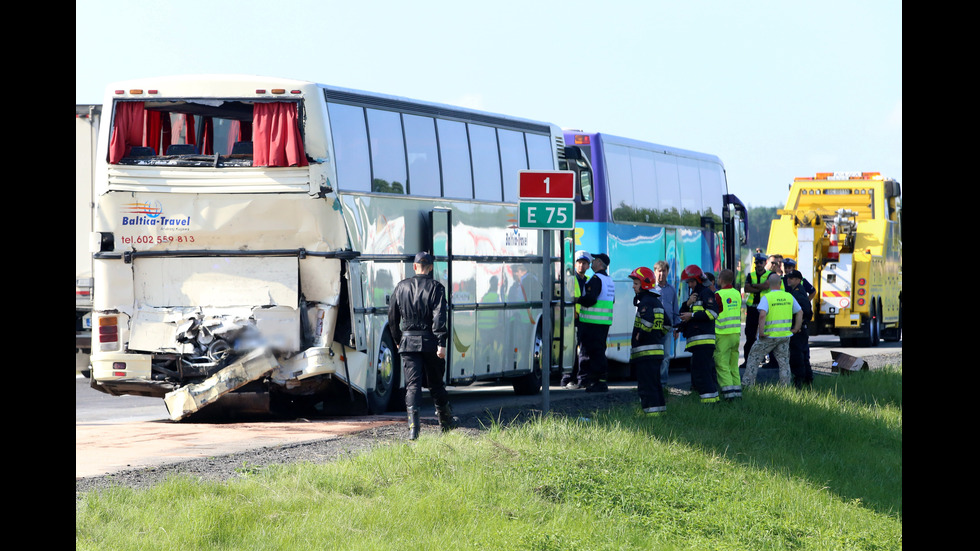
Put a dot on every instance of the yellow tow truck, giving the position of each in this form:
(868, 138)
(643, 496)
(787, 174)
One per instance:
(844, 231)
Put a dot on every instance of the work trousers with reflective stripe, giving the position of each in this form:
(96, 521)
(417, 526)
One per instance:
(778, 347)
(703, 372)
(726, 365)
(647, 369)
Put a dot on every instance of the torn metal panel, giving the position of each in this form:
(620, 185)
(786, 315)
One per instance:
(191, 398)
(216, 281)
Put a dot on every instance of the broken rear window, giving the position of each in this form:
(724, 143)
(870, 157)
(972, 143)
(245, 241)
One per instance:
(207, 133)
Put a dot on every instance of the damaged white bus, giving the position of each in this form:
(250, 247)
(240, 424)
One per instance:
(249, 232)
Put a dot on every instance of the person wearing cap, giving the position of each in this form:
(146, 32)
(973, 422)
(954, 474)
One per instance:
(780, 317)
(582, 262)
(755, 286)
(647, 341)
(789, 265)
(417, 315)
(799, 343)
(595, 318)
(728, 328)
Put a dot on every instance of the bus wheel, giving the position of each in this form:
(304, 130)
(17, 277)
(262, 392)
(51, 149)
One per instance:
(387, 366)
(529, 384)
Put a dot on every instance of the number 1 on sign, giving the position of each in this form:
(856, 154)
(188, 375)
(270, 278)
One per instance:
(547, 186)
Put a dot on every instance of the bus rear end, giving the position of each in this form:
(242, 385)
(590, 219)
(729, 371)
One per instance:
(216, 244)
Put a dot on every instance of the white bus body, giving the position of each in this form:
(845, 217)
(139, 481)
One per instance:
(218, 280)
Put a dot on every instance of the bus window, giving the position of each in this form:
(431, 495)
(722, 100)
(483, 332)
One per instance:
(387, 151)
(454, 149)
(712, 189)
(513, 158)
(668, 188)
(644, 185)
(423, 156)
(687, 171)
(619, 180)
(539, 153)
(350, 146)
(486, 162)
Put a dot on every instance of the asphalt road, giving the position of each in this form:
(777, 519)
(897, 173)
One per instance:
(114, 433)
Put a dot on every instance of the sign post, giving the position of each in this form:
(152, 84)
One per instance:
(546, 203)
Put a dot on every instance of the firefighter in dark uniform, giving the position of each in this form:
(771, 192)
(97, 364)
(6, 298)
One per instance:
(647, 342)
(595, 318)
(698, 315)
(417, 316)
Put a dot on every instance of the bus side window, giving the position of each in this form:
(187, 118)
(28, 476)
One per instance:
(454, 151)
(350, 146)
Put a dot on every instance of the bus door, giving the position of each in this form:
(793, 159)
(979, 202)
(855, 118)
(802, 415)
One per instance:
(460, 318)
(736, 234)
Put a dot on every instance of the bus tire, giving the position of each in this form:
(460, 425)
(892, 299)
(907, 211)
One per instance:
(387, 367)
(530, 384)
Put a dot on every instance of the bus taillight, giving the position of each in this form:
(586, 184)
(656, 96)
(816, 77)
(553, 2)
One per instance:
(108, 333)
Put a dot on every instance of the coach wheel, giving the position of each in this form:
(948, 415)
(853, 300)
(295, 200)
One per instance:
(531, 383)
(386, 369)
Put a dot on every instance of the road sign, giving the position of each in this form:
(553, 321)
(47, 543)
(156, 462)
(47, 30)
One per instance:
(546, 215)
(546, 184)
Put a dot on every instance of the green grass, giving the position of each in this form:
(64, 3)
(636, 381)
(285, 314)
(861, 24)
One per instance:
(781, 469)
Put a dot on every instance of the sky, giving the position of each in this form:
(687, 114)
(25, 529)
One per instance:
(776, 89)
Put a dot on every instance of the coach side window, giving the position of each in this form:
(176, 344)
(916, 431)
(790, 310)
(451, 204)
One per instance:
(486, 162)
(513, 159)
(454, 151)
(350, 145)
(387, 151)
(423, 156)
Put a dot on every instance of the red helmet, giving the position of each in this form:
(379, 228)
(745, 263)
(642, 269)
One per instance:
(692, 272)
(644, 275)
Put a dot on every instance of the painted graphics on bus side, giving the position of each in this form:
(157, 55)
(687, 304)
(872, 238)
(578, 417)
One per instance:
(651, 203)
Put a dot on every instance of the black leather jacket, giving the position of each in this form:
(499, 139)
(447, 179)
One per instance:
(417, 314)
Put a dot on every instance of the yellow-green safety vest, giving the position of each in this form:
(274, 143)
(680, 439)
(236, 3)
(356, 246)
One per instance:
(729, 321)
(779, 316)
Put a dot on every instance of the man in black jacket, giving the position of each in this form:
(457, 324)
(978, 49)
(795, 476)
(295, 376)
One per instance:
(417, 317)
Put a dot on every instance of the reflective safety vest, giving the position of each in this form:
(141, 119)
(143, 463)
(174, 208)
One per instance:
(752, 299)
(577, 293)
(779, 316)
(600, 313)
(729, 320)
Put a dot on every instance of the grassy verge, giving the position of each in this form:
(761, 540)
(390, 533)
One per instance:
(779, 470)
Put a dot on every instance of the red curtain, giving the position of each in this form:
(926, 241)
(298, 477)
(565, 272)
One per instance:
(191, 136)
(157, 131)
(207, 136)
(127, 129)
(276, 139)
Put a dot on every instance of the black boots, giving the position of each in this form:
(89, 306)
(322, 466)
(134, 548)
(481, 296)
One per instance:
(413, 423)
(446, 420)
